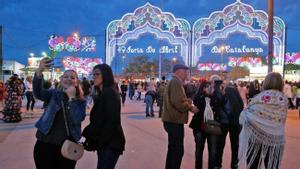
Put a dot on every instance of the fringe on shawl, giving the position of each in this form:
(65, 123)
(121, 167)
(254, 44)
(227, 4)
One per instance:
(254, 141)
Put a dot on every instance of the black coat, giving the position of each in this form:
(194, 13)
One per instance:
(105, 122)
(198, 118)
(235, 104)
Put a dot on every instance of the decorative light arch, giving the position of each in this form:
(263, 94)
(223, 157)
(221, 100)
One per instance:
(148, 19)
(237, 17)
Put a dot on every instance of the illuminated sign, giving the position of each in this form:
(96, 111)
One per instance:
(148, 49)
(229, 49)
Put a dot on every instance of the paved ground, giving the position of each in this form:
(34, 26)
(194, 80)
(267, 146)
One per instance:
(146, 143)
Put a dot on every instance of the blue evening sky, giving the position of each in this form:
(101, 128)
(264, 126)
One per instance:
(27, 24)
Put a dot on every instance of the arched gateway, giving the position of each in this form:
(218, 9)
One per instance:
(235, 36)
(147, 31)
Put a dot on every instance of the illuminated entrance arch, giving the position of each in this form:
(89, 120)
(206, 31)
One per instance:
(147, 19)
(237, 19)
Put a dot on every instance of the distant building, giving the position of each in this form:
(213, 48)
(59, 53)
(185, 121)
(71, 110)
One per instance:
(10, 67)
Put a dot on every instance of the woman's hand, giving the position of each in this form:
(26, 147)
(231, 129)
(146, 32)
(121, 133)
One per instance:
(71, 92)
(45, 63)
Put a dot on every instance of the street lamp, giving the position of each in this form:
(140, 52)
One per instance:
(31, 54)
(174, 60)
(44, 54)
(123, 61)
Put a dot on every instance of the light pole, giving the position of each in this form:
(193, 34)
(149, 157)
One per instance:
(123, 61)
(270, 34)
(222, 48)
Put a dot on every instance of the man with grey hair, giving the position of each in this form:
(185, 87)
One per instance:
(176, 107)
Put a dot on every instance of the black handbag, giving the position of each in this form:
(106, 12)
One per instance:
(213, 127)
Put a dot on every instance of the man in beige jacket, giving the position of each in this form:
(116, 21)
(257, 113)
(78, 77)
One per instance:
(176, 107)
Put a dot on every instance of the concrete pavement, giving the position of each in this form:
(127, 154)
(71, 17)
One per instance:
(146, 143)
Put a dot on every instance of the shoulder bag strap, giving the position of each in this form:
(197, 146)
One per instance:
(65, 118)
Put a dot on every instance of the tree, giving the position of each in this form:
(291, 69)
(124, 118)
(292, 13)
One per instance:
(141, 65)
(239, 72)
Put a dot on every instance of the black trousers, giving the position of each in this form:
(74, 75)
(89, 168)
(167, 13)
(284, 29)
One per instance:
(200, 139)
(48, 156)
(175, 146)
(234, 131)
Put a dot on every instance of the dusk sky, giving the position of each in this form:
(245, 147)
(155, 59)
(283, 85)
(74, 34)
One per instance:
(27, 24)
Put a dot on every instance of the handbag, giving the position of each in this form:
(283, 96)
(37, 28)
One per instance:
(70, 149)
(210, 126)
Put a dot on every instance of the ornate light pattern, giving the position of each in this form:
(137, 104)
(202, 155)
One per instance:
(211, 67)
(147, 19)
(56, 43)
(72, 44)
(293, 58)
(80, 65)
(237, 17)
(244, 61)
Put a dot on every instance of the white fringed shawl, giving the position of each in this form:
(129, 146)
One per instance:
(263, 124)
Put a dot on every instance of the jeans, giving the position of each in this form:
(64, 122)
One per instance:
(149, 104)
(234, 131)
(30, 99)
(107, 158)
(175, 146)
(48, 156)
(200, 138)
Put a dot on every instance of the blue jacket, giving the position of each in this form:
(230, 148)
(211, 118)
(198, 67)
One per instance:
(54, 99)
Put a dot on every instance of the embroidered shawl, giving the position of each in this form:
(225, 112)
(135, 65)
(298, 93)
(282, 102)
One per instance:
(263, 124)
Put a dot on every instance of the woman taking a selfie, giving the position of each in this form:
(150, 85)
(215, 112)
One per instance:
(104, 134)
(51, 129)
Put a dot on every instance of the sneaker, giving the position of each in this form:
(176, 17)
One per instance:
(152, 115)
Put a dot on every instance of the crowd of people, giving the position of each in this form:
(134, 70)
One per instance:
(252, 113)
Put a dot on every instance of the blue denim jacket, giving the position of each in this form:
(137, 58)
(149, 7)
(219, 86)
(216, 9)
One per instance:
(54, 98)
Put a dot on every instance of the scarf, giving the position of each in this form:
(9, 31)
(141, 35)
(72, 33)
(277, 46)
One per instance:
(263, 124)
(208, 113)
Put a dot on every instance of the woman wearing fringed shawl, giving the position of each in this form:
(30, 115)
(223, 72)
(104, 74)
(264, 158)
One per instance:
(262, 138)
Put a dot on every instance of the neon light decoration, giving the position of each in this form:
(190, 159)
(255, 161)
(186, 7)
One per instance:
(211, 67)
(293, 58)
(80, 65)
(244, 61)
(237, 17)
(56, 43)
(88, 44)
(72, 44)
(147, 19)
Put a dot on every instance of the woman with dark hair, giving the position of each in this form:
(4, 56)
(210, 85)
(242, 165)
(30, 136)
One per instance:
(65, 106)
(197, 124)
(104, 134)
(262, 138)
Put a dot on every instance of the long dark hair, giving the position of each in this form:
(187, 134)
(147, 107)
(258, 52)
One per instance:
(107, 74)
(107, 77)
(203, 84)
